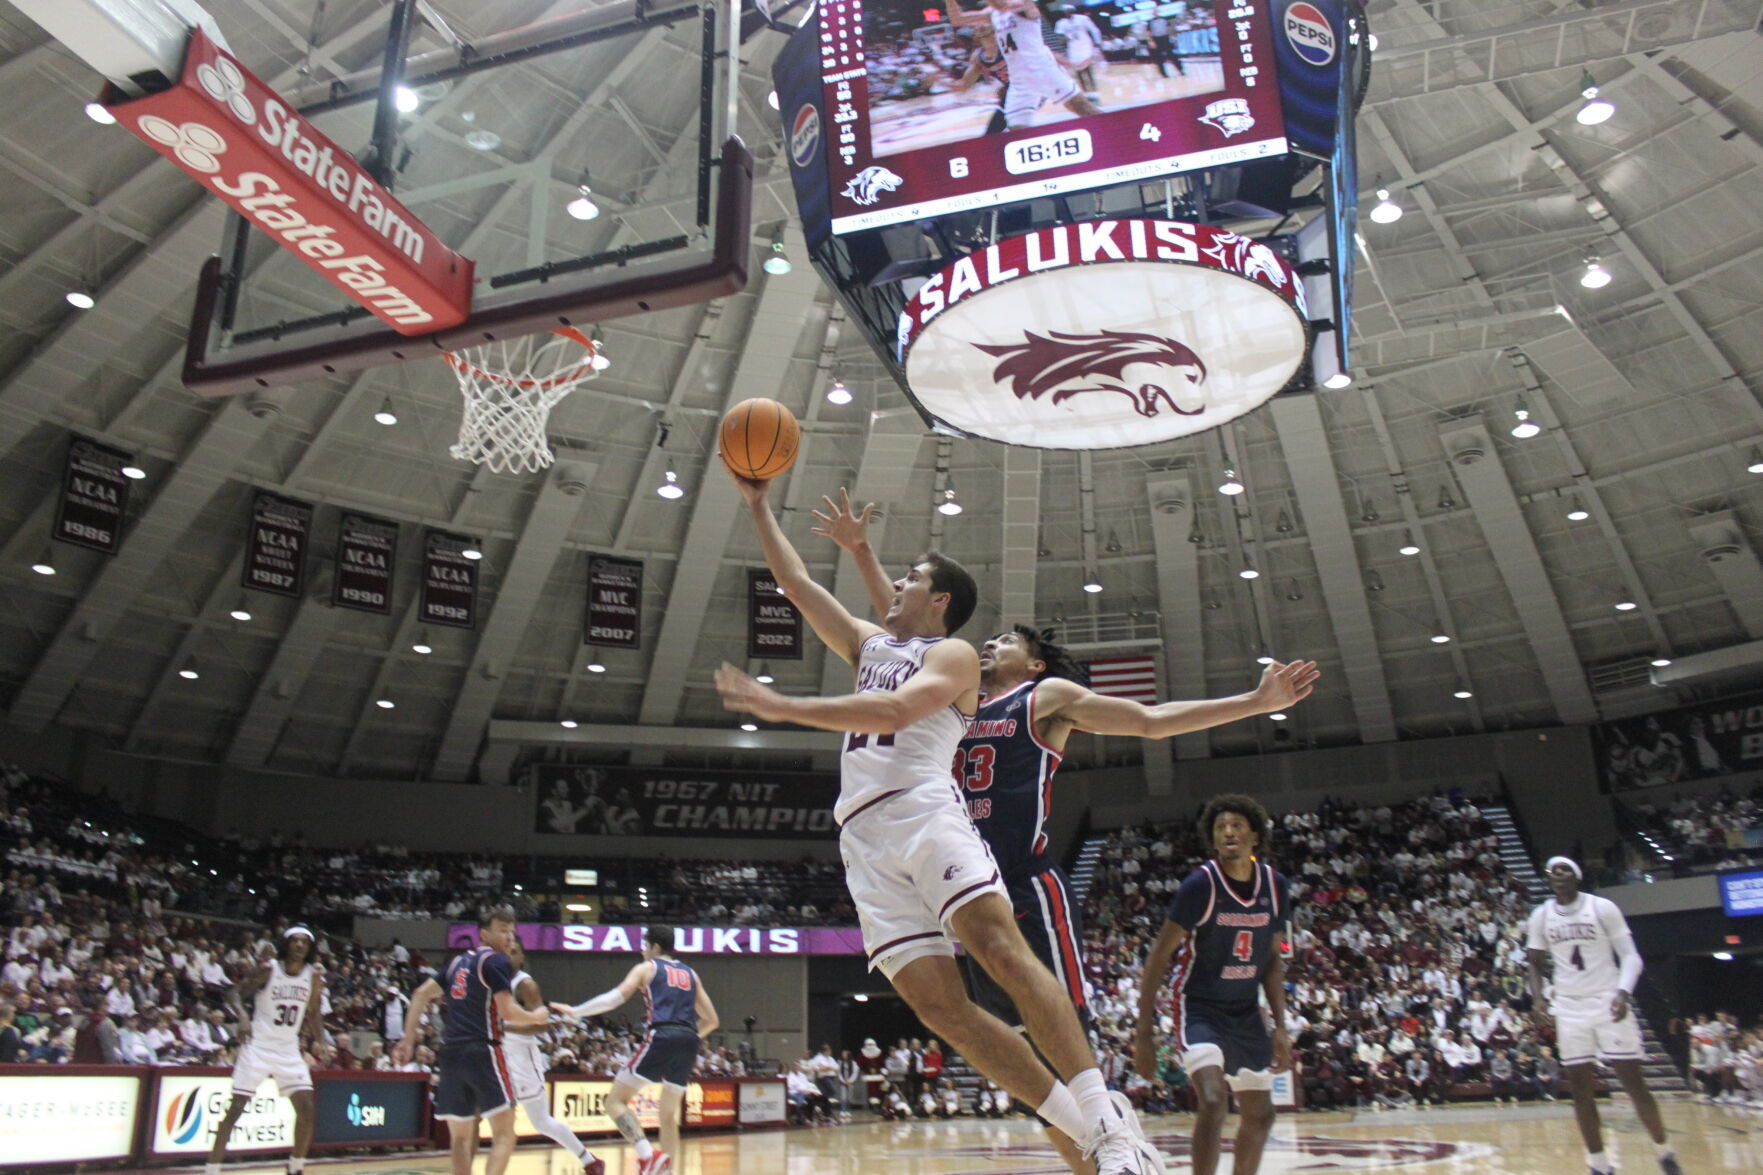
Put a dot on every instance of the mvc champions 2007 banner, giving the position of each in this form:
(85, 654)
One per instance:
(673, 801)
(1694, 742)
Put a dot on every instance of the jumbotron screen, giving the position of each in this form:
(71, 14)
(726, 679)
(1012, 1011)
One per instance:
(937, 107)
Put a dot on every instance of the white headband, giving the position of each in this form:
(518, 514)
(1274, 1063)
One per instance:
(1567, 861)
(291, 931)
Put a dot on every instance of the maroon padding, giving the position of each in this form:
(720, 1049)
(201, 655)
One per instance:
(723, 273)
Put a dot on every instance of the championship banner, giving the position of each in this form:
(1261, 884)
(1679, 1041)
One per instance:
(579, 1103)
(615, 603)
(688, 940)
(676, 801)
(1693, 742)
(275, 554)
(94, 496)
(449, 580)
(53, 1116)
(774, 627)
(366, 547)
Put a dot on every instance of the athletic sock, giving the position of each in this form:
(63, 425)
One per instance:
(295, 1166)
(1600, 1162)
(645, 1148)
(1091, 1094)
(1662, 1149)
(1061, 1109)
(210, 1169)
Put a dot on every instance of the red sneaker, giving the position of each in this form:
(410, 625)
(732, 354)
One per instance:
(593, 1166)
(658, 1163)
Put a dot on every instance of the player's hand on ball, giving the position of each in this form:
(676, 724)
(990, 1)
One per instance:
(843, 525)
(753, 491)
(1285, 684)
(740, 692)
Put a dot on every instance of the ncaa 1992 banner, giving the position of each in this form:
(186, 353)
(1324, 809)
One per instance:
(449, 580)
(774, 627)
(94, 496)
(673, 801)
(615, 603)
(366, 548)
(275, 555)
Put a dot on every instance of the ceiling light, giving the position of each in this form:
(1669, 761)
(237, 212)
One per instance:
(133, 472)
(778, 263)
(1368, 511)
(45, 564)
(583, 206)
(861, 997)
(240, 612)
(1113, 544)
(1278, 716)
(1283, 523)
(406, 100)
(1756, 465)
(1092, 583)
(764, 677)
(385, 703)
(1626, 605)
(838, 393)
(1264, 659)
(569, 724)
(1373, 582)
(1248, 571)
(80, 299)
(96, 112)
(1294, 593)
(949, 505)
(1446, 501)
(1526, 427)
(1596, 109)
(385, 415)
(1462, 694)
(1660, 662)
(1337, 381)
(596, 667)
(1409, 546)
(421, 644)
(771, 100)
(1595, 277)
(1723, 956)
(1386, 211)
(749, 727)
(471, 551)
(1231, 486)
(1440, 638)
(483, 140)
(188, 672)
(670, 487)
(1577, 511)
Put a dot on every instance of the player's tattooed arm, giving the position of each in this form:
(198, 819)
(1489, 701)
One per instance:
(850, 530)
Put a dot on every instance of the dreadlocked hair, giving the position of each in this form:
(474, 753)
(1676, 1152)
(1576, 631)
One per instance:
(1041, 647)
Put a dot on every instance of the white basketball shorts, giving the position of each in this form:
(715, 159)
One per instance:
(1030, 88)
(1585, 1032)
(282, 1062)
(526, 1070)
(911, 861)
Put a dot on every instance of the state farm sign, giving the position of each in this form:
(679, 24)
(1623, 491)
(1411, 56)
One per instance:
(235, 136)
(1104, 334)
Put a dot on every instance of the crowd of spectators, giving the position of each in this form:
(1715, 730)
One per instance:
(1726, 1061)
(1703, 833)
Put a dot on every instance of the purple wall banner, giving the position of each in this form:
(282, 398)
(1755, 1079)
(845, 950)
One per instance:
(449, 580)
(575, 800)
(774, 627)
(275, 554)
(366, 550)
(615, 603)
(689, 940)
(94, 496)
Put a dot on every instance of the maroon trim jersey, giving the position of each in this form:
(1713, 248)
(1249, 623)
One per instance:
(1006, 776)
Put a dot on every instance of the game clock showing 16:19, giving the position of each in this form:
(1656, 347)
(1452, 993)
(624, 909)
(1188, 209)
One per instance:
(1056, 150)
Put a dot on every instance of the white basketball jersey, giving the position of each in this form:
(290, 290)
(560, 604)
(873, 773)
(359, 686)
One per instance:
(1020, 40)
(520, 1041)
(1581, 941)
(874, 765)
(281, 1008)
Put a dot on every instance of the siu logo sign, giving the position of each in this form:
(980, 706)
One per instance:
(804, 135)
(1105, 334)
(867, 185)
(1310, 33)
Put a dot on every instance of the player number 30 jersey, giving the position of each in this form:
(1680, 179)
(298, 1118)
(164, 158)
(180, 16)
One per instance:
(281, 1008)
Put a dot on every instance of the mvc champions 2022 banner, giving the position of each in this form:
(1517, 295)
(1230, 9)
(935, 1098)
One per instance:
(673, 801)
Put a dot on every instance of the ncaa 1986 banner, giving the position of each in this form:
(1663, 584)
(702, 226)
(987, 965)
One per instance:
(1694, 742)
(675, 801)
(94, 496)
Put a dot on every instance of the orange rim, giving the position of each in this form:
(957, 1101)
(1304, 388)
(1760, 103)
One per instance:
(501, 379)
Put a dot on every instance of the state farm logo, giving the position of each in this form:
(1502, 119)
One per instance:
(225, 82)
(197, 147)
(1152, 372)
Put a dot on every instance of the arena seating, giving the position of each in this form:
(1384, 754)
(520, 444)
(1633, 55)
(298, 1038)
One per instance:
(1700, 833)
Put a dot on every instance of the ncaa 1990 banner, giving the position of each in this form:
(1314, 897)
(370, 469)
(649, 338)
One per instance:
(366, 550)
(672, 801)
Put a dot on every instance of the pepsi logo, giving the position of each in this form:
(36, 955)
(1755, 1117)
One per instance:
(805, 134)
(1310, 33)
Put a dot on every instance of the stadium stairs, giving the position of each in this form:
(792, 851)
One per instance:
(1515, 852)
(1083, 866)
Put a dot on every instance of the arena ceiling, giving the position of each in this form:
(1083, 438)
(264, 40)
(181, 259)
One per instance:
(1647, 390)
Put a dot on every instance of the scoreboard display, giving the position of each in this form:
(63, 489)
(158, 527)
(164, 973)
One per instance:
(941, 106)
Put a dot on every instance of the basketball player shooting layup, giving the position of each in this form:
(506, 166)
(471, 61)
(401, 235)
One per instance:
(918, 871)
(680, 1015)
(526, 1067)
(285, 1012)
(1036, 76)
(1596, 967)
(477, 999)
(1224, 929)
(1006, 761)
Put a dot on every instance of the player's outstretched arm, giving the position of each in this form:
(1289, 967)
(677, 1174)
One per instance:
(1144, 1051)
(961, 18)
(950, 673)
(612, 998)
(708, 1020)
(842, 632)
(850, 531)
(420, 999)
(1282, 686)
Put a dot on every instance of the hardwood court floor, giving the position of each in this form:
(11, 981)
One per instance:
(1477, 1140)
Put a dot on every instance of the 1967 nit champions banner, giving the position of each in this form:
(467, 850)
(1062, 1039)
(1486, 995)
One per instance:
(671, 801)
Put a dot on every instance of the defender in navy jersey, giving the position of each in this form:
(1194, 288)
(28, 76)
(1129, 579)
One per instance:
(476, 997)
(679, 1014)
(1224, 931)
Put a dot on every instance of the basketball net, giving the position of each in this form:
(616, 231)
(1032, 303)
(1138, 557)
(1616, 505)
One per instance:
(510, 387)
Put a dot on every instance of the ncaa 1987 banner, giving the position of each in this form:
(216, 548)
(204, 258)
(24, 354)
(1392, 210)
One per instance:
(674, 801)
(275, 554)
(1693, 742)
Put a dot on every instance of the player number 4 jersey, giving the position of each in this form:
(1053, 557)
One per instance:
(281, 1008)
(1581, 941)
(1233, 928)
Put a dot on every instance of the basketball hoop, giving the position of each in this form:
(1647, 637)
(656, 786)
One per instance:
(510, 387)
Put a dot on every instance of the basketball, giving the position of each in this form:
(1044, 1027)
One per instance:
(760, 438)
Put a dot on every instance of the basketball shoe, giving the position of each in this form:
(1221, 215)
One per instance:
(1117, 1144)
(659, 1162)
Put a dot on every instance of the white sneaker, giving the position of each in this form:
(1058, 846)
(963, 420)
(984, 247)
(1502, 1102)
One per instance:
(1120, 1147)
